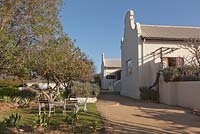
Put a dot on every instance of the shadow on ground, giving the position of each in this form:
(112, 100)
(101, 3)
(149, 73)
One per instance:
(151, 115)
(113, 127)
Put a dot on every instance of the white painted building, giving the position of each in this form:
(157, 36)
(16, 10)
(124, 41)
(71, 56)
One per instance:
(143, 47)
(110, 72)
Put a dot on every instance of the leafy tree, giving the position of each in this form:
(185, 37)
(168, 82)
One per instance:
(24, 23)
(193, 46)
(32, 41)
(28, 21)
(97, 79)
(62, 63)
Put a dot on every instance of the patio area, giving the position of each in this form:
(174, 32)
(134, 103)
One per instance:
(125, 115)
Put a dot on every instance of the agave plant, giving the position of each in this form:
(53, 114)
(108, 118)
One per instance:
(12, 120)
(7, 99)
(25, 102)
(17, 100)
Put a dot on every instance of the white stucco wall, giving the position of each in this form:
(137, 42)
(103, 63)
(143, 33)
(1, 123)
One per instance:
(184, 94)
(117, 86)
(129, 51)
(145, 66)
(151, 63)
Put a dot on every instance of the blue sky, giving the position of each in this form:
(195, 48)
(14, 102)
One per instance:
(97, 25)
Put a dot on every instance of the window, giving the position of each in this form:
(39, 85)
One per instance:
(179, 61)
(110, 77)
(173, 61)
(129, 64)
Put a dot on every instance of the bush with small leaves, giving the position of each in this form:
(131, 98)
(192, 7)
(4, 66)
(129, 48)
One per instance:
(149, 94)
(27, 93)
(2, 127)
(171, 74)
(9, 91)
(14, 82)
(35, 86)
(97, 124)
(71, 118)
(186, 73)
(81, 89)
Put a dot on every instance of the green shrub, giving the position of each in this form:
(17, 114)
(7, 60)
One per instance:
(189, 73)
(186, 73)
(171, 74)
(35, 86)
(15, 92)
(2, 127)
(14, 82)
(23, 85)
(97, 124)
(9, 91)
(80, 89)
(148, 94)
(60, 96)
(27, 93)
(42, 120)
(71, 118)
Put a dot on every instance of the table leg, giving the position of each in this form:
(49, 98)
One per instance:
(39, 108)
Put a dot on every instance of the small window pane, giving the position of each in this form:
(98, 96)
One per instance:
(110, 76)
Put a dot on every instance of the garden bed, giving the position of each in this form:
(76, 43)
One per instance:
(88, 122)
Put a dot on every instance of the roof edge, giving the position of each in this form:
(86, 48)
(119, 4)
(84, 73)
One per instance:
(198, 27)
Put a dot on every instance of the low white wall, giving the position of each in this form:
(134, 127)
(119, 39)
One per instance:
(185, 94)
(43, 85)
(90, 100)
(107, 84)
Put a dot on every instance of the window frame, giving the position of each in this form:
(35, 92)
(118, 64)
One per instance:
(179, 61)
(129, 66)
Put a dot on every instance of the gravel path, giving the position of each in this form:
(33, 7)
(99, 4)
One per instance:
(128, 116)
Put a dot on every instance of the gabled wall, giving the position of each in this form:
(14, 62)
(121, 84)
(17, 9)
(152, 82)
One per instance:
(134, 48)
(129, 50)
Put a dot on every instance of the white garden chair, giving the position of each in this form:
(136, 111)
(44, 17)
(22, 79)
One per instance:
(45, 100)
(72, 104)
(83, 103)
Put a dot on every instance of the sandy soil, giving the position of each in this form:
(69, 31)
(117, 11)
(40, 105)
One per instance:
(128, 116)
